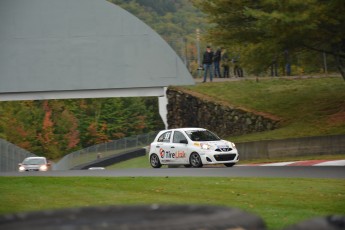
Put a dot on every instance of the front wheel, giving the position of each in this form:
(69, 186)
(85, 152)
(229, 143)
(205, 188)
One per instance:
(229, 164)
(195, 160)
(154, 161)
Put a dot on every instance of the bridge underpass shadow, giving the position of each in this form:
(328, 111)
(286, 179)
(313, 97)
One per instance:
(107, 161)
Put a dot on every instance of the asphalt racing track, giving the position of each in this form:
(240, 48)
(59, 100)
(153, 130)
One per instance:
(336, 172)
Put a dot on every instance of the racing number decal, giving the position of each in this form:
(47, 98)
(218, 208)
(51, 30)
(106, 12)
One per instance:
(167, 136)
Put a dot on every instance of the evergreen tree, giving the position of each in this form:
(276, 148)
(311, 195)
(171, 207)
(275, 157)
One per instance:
(267, 29)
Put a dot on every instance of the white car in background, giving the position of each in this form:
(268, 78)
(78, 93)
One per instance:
(34, 164)
(191, 147)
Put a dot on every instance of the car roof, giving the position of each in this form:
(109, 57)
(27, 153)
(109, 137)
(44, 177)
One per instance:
(182, 129)
(35, 158)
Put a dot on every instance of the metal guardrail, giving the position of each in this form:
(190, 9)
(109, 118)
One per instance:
(11, 155)
(103, 150)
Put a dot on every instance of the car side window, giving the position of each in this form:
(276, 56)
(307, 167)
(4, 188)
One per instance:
(165, 137)
(178, 137)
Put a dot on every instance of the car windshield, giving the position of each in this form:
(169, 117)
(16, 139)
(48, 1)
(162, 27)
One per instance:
(202, 135)
(34, 161)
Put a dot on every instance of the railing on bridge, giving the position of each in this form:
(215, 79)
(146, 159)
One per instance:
(103, 150)
(11, 155)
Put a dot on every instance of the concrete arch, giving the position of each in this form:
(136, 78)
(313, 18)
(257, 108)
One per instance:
(53, 49)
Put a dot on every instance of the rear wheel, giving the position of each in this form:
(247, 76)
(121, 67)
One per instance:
(154, 161)
(229, 164)
(195, 160)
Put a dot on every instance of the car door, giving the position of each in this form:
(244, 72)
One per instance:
(163, 147)
(179, 146)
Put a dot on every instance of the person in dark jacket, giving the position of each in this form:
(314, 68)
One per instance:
(216, 60)
(207, 63)
(226, 64)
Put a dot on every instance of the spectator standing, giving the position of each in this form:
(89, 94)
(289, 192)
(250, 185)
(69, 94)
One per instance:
(225, 64)
(207, 62)
(288, 63)
(238, 71)
(216, 60)
(274, 68)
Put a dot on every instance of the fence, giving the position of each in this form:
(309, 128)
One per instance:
(103, 150)
(11, 155)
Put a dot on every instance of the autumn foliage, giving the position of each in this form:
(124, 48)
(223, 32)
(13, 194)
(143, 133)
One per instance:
(55, 128)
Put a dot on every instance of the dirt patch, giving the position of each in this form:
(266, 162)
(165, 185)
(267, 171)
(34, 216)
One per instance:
(338, 117)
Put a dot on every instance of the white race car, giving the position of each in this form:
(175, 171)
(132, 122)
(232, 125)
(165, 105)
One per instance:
(191, 147)
(34, 164)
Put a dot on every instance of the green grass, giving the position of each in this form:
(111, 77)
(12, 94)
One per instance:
(138, 162)
(307, 107)
(280, 202)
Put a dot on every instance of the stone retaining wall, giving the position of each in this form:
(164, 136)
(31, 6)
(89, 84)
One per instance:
(188, 109)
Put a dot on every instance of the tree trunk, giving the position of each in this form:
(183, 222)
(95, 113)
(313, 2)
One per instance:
(341, 66)
(342, 71)
(339, 59)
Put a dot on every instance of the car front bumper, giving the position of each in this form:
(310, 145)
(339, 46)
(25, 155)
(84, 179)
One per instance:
(214, 157)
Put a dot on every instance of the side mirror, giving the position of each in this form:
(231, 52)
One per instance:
(20, 164)
(184, 141)
(49, 164)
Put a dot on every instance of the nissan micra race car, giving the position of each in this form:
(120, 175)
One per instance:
(191, 147)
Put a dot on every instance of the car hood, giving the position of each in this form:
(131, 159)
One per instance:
(221, 144)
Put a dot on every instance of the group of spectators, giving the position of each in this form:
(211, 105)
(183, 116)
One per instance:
(212, 61)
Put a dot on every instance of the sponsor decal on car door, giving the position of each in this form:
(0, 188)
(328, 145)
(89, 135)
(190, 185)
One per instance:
(179, 148)
(163, 146)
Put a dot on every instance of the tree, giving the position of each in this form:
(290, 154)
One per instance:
(265, 29)
(19, 123)
(47, 138)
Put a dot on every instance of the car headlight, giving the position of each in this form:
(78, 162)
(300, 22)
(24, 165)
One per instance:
(43, 168)
(233, 145)
(205, 146)
(21, 168)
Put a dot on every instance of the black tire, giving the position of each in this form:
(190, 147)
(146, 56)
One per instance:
(187, 166)
(229, 164)
(154, 161)
(195, 160)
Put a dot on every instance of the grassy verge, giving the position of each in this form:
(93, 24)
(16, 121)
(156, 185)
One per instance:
(138, 162)
(280, 202)
(307, 107)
